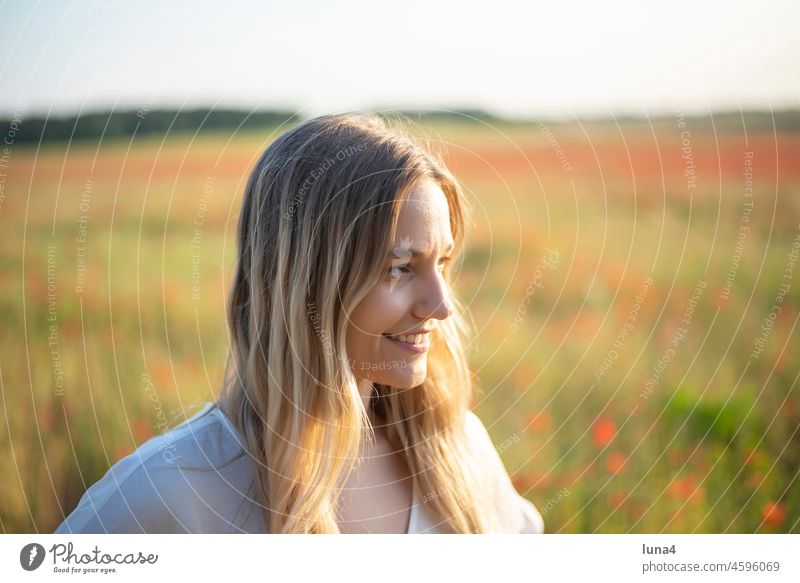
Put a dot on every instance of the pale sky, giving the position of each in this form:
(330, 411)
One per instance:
(526, 59)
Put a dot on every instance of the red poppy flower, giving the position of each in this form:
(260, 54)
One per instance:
(539, 422)
(521, 482)
(603, 432)
(615, 462)
(141, 430)
(682, 488)
(774, 514)
(617, 498)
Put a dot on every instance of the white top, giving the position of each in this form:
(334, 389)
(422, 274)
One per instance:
(170, 485)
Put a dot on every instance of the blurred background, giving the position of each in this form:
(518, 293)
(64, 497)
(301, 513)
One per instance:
(631, 269)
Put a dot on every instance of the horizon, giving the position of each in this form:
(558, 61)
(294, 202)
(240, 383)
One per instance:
(443, 113)
(90, 56)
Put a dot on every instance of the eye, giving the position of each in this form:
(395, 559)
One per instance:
(398, 270)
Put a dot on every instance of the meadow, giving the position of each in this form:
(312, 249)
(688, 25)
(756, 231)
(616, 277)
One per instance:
(633, 288)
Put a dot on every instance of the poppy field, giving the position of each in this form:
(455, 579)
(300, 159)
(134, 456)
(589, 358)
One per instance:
(633, 287)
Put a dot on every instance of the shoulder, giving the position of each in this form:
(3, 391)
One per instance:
(193, 478)
(516, 514)
(480, 439)
(476, 429)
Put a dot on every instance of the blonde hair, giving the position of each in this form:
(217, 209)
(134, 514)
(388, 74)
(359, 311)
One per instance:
(319, 212)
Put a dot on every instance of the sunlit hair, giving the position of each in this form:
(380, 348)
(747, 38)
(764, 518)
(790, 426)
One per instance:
(319, 214)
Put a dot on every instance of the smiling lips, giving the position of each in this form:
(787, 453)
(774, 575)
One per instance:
(408, 338)
(415, 342)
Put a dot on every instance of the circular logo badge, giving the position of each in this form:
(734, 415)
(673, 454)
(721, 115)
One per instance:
(31, 556)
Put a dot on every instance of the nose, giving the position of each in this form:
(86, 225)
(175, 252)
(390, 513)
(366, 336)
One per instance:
(434, 298)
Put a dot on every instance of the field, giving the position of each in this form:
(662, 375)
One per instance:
(633, 287)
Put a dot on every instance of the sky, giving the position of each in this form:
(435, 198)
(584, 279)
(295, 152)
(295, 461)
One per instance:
(524, 60)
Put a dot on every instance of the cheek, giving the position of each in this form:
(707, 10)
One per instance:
(379, 312)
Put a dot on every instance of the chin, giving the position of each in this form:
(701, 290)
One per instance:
(407, 380)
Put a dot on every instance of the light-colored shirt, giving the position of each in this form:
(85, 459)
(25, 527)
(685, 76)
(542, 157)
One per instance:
(198, 478)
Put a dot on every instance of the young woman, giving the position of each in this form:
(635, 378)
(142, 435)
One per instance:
(346, 405)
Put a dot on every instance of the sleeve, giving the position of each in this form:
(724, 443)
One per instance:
(533, 521)
(127, 500)
(516, 514)
(193, 479)
(150, 496)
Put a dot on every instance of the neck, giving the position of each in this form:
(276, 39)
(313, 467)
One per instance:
(366, 389)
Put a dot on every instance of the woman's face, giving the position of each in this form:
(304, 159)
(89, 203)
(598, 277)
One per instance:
(388, 335)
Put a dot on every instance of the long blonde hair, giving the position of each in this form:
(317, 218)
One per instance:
(320, 208)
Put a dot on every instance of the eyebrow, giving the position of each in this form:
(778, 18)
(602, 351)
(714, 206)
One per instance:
(419, 253)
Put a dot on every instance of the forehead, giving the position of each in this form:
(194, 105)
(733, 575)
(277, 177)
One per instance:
(424, 217)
